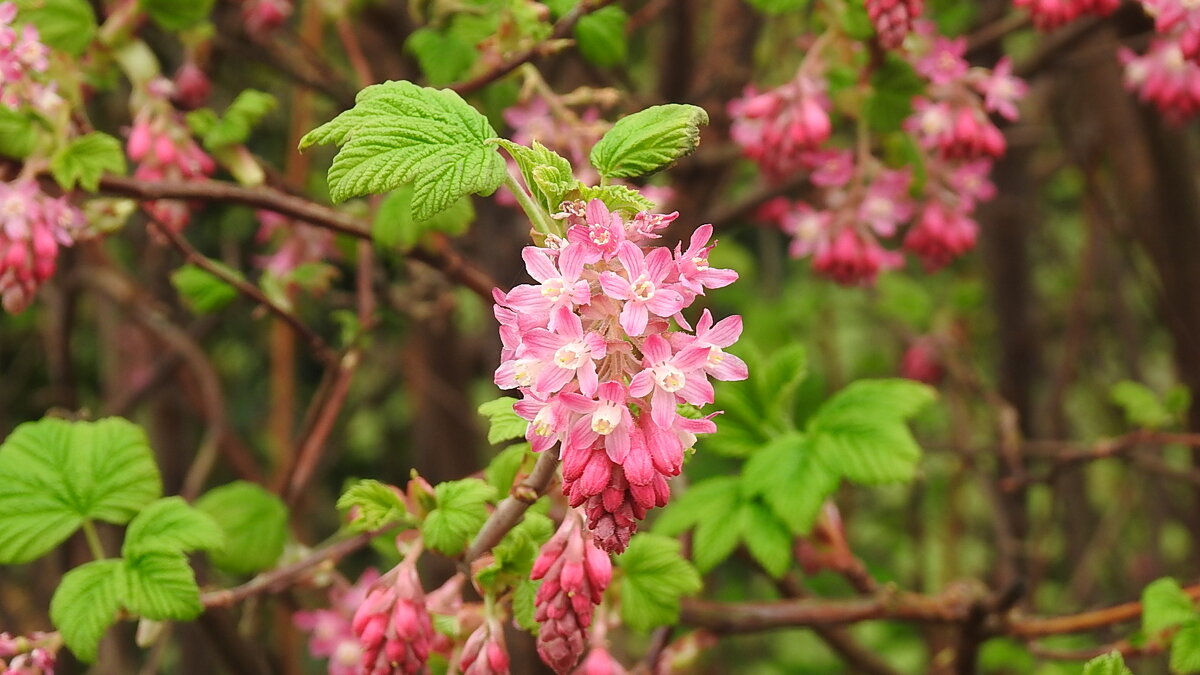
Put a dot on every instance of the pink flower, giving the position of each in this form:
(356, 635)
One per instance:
(331, 636)
(893, 19)
(921, 362)
(1001, 89)
(940, 235)
(670, 376)
(886, 203)
(1050, 14)
(33, 226)
(851, 259)
(559, 285)
(600, 662)
(643, 288)
(694, 273)
(262, 17)
(719, 363)
(943, 63)
(484, 652)
(777, 127)
(601, 234)
(549, 420)
(1165, 77)
(608, 416)
(392, 624)
(830, 168)
(569, 352)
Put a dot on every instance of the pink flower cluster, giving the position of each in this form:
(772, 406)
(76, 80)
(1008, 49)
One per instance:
(262, 17)
(161, 144)
(23, 64)
(33, 226)
(779, 128)
(330, 633)
(1050, 14)
(574, 574)
(484, 652)
(297, 243)
(591, 348)
(862, 202)
(600, 662)
(35, 654)
(392, 624)
(1168, 74)
(893, 19)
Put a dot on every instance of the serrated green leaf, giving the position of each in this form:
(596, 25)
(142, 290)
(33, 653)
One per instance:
(170, 525)
(66, 25)
(255, 526)
(1165, 605)
(601, 36)
(177, 15)
(504, 424)
(1109, 664)
(893, 86)
(654, 576)
(85, 159)
(1143, 407)
(1185, 650)
(59, 473)
(705, 500)
(86, 603)
(234, 127)
(162, 586)
(501, 472)
(394, 226)
(766, 537)
(461, 509)
(717, 534)
(18, 134)
(647, 141)
(547, 174)
(617, 198)
(378, 505)
(791, 480)
(860, 432)
(202, 291)
(523, 608)
(401, 134)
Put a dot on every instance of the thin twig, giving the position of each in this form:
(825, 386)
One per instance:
(510, 511)
(1032, 627)
(315, 440)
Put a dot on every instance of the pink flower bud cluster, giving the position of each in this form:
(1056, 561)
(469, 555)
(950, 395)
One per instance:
(893, 19)
(33, 226)
(484, 652)
(921, 362)
(23, 64)
(262, 17)
(298, 243)
(574, 574)
(393, 626)
(35, 654)
(330, 634)
(777, 128)
(863, 203)
(191, 85)
(600, 662)
(592, 349)
(162, 146)
(1050, 14)
(1168, 74)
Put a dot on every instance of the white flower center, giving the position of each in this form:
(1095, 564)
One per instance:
(700, 262)
(715, 356)
(643, 288)
(553, 289)
(606, 418)
(543, 422)
(571, 355)
(524, 371)
(669, 378)
(599, 234)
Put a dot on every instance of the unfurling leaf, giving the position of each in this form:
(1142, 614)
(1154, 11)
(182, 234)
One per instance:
(377, 505)
(647, 141)
(460, 510)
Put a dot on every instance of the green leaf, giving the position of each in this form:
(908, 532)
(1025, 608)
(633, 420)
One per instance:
(861, 434)
(86, 603)
(1185, 650)
(85, 159)
(394, 226)
(399, 134)
(170, 525)
(647, 141)
(162, 586)
(1109, 664)
(778, 6)
(706, 500)
(378, 505)
(255, 526)
(654, 576)
(1165, 605)
(856, 22)
(768, 540)
(893, 86)
(513, 557)
(792, 481)
(601, 36)
(66, 25)
(502, 471)
(175, 15)
(1143, 408)
(461, 509)
(234, 128)
(18, 135)
(617, 198)
(504, 424)
(547, 174)
(523, 607)
(718, 533)
(444, 57)
(59, 473)
(202, 291)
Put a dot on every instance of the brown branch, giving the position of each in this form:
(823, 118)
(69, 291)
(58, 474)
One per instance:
(510, 511)
(1065, 455)
(322, 351)
(447, 261)
(1033, 627)
(313, 449)
(562, 29)
(277, 580)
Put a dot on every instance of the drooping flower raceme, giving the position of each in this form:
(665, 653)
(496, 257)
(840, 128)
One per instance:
(33, 226)
(893, 19)
(393, 626)
(330, 630)
(602, 370)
